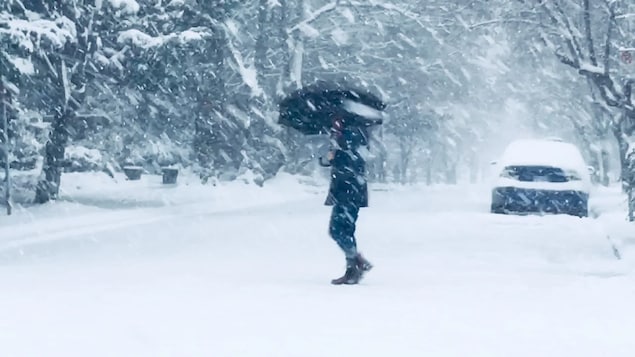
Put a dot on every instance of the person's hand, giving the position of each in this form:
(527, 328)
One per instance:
(330, 156)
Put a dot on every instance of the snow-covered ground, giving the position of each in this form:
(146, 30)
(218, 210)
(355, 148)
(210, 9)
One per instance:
(142, 269)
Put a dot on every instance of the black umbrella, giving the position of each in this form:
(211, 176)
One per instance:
(310, 109)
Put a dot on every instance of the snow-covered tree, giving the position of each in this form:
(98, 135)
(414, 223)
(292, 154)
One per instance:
(196, 83)
(587, 36)
(64, 66)
(23, 36)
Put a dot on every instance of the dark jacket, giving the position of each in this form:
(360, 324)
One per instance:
(348, 179)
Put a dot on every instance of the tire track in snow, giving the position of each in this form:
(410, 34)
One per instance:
(112, 221)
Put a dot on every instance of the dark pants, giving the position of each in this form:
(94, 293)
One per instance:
(342, 227)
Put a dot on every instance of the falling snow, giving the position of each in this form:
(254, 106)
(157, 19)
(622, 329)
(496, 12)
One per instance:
(231, 257)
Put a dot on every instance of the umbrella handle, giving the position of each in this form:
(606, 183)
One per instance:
(324, 164)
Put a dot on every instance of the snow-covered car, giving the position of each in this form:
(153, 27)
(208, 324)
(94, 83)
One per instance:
(542, 176)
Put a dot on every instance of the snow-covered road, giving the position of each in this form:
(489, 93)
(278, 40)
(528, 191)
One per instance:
(201, 279)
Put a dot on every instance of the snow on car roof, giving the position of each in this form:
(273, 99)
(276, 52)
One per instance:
(552, 153)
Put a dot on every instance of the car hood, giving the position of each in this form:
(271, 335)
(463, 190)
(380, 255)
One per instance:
(543, 153)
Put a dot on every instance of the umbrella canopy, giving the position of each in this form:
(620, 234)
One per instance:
(311, 109)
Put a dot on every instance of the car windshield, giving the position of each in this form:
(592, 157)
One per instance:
(535, 173)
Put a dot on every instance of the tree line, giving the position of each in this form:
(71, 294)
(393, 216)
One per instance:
(195, 83)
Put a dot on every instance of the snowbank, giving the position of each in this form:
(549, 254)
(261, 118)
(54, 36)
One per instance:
(221, 265)
(98, 189)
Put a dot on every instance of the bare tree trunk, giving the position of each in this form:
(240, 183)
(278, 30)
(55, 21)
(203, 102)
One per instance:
(377, 166)
(625, 134)
(208, 138)
(451, 173)
(382, 157)
(283, 23)
(406, 152)
(428, 168)
(631, 206)
(622, 146)
(71, 85)
(291, 66)
(605, 167)
(474, 167)
(628, 169)
(5, 139)
(629, 183)
(260, 57)
(49, 185)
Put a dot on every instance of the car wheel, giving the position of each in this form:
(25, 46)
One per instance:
(497, 204)
(496, 209)
(582, 211)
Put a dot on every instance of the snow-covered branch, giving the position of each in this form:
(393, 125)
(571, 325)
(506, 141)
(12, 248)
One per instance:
(605, 84)
(388, 8)
(506, 21)
(566, 32)
(125, 6)
(302, 25)
(592, 69)
(573, 34)
(248, 73)
(625, 16)
(143, 40)
(30, 33)
(564, 59)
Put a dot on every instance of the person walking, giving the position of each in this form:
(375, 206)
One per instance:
(348, 192)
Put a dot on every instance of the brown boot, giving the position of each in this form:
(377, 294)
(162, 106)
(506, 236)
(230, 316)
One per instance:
(352, 275)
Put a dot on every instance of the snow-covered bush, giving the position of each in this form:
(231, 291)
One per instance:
(82, 159)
